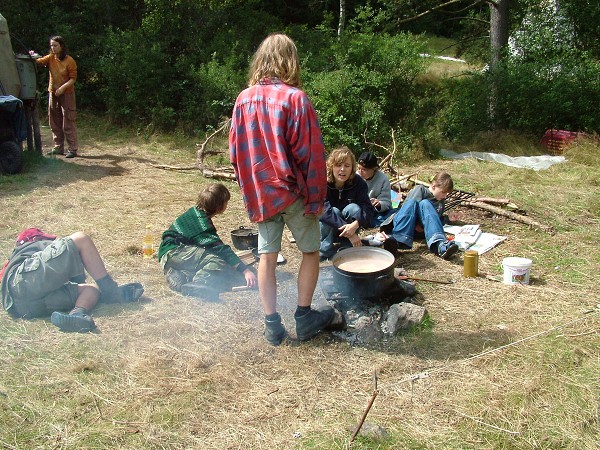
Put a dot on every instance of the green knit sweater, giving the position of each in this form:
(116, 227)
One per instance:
(194, 227)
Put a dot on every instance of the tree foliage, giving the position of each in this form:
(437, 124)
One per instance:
(179, 64)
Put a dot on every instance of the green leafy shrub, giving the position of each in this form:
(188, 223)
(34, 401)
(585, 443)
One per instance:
(552, 94)
(463, 106)
(215, 87)
(369, 91)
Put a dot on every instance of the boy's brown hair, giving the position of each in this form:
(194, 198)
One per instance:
(337, 158)
(444, 181)
(213, 198)
(276, 57)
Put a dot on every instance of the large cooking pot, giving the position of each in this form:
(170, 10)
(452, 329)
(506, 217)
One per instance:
(244, 238)
(365, 272)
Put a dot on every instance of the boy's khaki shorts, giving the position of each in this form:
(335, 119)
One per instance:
(41, 284)
(304, 228)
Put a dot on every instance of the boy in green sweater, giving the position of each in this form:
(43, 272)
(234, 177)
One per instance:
(194, 259)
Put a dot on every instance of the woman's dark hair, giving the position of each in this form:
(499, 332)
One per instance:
(63, 46)
(212, 199)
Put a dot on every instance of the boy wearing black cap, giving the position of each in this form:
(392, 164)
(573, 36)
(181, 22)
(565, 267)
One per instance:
(379, 187)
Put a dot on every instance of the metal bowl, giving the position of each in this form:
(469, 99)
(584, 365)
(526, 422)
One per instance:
(244, 238)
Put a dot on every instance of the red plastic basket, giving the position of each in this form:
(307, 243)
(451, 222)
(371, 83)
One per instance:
(557, 140)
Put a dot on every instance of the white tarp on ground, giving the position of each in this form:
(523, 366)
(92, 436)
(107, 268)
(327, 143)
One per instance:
(524, 162)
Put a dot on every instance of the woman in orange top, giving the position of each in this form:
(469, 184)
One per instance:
(61, 97)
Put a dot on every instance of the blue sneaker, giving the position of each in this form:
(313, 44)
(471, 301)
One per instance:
(447, 249)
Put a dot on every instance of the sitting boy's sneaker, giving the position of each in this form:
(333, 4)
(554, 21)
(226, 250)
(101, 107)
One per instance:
(202, 291)
(274, 331)
(447, 249)
(131, 292)
(76, 323)
(388, 224)
(314, 321)
(391, 245)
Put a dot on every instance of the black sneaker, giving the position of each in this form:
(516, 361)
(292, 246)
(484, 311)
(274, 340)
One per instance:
(391, 245)
(388, 224)
(131, 292)
(71, 154)
(274, 331)
(447, 250)
(314, 321)
(202, 291)
(75, 323)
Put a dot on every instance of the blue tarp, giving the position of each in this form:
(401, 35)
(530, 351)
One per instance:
(12, 109)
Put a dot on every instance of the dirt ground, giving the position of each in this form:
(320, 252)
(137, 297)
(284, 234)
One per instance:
(175, 372)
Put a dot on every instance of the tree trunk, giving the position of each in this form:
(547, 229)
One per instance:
(499, 14)
(342, 17)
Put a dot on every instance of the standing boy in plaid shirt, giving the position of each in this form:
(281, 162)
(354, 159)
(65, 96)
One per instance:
(277, 152)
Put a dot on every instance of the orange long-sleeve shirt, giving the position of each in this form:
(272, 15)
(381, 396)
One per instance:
(60, 71)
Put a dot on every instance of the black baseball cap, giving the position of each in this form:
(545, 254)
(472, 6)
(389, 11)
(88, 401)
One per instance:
(368, 160)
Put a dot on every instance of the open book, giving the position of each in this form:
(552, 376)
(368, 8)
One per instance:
(468, 234)
(471, 237)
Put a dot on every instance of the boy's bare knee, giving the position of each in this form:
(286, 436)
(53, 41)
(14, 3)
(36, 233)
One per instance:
(79, 236)
(81, 239)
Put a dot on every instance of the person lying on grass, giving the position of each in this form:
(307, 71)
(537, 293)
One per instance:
(45, 276)
(194, 259)
(421, 217)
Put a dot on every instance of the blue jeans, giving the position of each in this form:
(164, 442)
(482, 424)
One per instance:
(413, 213)
(330, 235)
(380, 217)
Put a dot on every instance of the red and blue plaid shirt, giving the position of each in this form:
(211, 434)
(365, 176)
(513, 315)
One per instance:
(277, 151)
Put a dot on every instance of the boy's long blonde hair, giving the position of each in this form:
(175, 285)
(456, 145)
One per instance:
(337, 158)
(276, 57)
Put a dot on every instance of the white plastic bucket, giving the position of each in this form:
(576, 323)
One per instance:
(516, 270)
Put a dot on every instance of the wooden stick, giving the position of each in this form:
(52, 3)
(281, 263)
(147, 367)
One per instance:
(200, 153)
(498, 201)
(511, 215)
(240, 288)
(406, 277)
(364, 416)
(402, 178)
(209, 173)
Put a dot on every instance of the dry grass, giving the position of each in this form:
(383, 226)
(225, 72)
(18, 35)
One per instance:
(172, 372)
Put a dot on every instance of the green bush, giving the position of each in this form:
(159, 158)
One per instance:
(555, 94)
(463, 106)
(215, 87)
(369, 91)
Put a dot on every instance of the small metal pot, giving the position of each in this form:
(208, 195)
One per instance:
(364, 272)
(244, 238)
